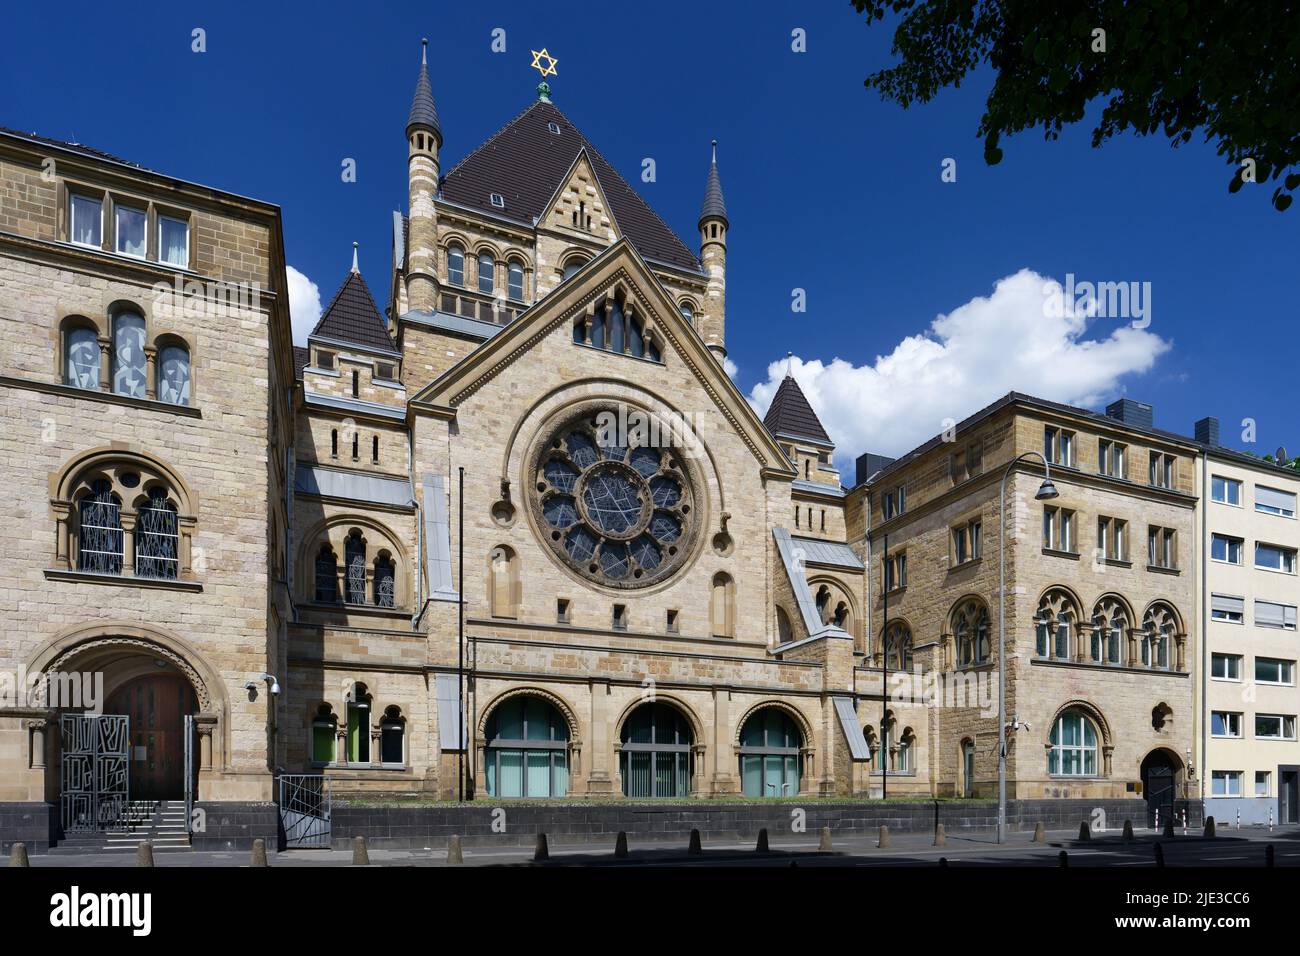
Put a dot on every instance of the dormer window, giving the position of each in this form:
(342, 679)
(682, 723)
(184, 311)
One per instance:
(324, 359)
(130, 230)
(173, 241)
(86, 220)
(498, 200)
(553, 128)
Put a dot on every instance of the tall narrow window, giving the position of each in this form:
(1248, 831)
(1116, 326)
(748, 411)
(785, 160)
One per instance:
(722, 608)
(392, 733)
(100, 539)
(323, 734)
(334, 442)
(174, 375)
(354, 554)
(770, 758)
(1073, 746)
(85, 220)
(486, 270)
(81, 349)
(359, 726)
(515, 281)
(655, 754)
(356, 384)
(157, 538)
(688, 313)
(129, 230)
(128, 355)
(327, 575)
(173, 241)
(455, 265)
(384, 581)
(374, 449)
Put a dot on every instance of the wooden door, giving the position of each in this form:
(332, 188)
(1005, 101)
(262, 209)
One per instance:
(157, 705)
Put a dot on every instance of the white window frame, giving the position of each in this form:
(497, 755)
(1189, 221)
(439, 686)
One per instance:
(1232, 720)
(1058, 445)
(1288, 555)
(1228, 539)
(74, 198)
(158, 229)
(1283, 721)
(1267, 779)
(1226, 659)
(1227, 483)
(1228, 777)
(120, 207)
(1287, 669)
(1276, 512)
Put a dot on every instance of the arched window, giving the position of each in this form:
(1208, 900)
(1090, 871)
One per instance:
(1055, 623)
(354, 555)
(174, 375)
(392, 737)
(688, 313)
(1073, 746)
(898, 647)
(456, 264)
(722, 606)
(157, 537)
(1109, 625)
(905, 762)
(486, 272)
(81, 357)
(515, 280)
(128, 355)
(612, 327)
(971, 630)
(770, 762)
(359, 725)
(99, 530)
(503, 570)
(572, 265)
(327, 575)
(324, 733)
(655, 756)
(385, 593)
(527, 752)
(823, 601)
(1158, 629)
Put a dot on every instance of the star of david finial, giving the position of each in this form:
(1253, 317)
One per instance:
(544, 63)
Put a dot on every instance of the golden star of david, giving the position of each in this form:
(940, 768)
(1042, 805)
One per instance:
(547, 69)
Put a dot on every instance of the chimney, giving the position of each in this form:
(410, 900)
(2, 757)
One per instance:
(1137, 414)
(869, 464)
(1207, 432)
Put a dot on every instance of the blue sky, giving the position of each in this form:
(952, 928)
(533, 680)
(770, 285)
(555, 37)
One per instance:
(829, 190)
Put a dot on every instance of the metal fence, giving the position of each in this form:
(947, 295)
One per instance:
(305, 810)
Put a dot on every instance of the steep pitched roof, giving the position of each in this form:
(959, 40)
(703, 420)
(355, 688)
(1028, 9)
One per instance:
(423, 111)
(790, 414)
(352, 317)
(525, 162)
(713, 207)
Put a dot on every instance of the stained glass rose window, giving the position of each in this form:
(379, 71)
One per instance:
(614, 511)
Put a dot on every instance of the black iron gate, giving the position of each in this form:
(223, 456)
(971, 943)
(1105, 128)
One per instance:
(94, 766)
(305, 810)
(1160, 788)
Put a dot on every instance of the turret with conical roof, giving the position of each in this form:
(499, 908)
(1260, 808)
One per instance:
(713, 254)
(793, 423)
(424, 139)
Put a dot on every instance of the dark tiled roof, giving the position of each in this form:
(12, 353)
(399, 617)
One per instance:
(526, 164)
(790, 414)
(713, 204)
(423, 112)
(75, 147)
(352, 317)
(301, 356)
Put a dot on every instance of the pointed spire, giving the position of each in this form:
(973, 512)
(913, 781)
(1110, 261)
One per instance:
(791, 414)
(423, 112)
(714, 207)
(355, 267)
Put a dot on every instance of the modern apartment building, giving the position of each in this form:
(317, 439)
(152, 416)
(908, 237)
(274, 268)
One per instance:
(1249, 536)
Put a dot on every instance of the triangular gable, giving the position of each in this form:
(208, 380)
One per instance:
(579, 206)
(618, 266)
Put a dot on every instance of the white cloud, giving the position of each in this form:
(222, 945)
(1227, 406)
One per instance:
(730, 367)
(304, 305)
(967, 358)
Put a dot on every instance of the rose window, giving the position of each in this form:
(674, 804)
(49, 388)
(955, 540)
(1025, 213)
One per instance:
(615, 514)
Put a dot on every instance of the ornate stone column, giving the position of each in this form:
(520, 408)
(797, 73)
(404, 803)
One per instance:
(697, 770)
(63, 519)
(105, 364)
(128, 543)
(1083, 646)
(1134, 635)
(36, 729)
(206, 725)
(151, 372)
(1180, 646)
(1106, 751)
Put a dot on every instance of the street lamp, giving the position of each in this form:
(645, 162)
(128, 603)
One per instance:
(1046, 491)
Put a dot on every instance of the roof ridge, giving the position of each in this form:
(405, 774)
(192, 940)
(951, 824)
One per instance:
(497, 135)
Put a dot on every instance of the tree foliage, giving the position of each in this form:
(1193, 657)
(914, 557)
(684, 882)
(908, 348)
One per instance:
(1227, 70)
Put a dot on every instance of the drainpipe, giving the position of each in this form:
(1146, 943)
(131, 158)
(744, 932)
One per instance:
(1202, 512)
(417, 605)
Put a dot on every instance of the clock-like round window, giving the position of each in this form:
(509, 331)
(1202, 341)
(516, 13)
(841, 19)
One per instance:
(614, 511)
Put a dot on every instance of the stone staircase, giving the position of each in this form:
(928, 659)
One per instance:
(160, 822)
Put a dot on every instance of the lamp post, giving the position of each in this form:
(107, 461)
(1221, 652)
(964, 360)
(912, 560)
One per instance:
(1046, 491)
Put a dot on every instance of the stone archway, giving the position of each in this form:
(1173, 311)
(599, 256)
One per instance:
(111, 657)
(1162, 775)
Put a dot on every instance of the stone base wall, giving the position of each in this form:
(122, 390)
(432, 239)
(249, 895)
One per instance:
(34, 824)
(234, 826)
(416, 827)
